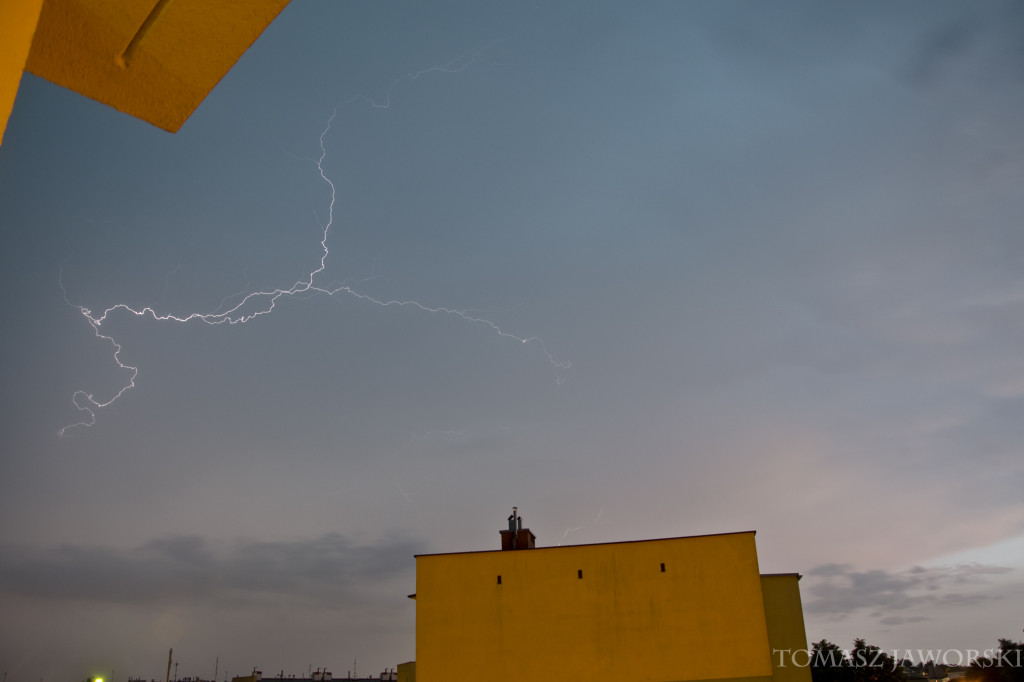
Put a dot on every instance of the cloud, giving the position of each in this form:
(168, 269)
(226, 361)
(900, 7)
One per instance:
(989, 39)
(939, 48)
(178, 569)
(900, 620)
(837, 590)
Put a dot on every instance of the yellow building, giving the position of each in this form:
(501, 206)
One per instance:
(690, 608)
(153, 59)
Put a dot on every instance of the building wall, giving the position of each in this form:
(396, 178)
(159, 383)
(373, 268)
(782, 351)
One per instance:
(702, 618)
(152, 59)
(407, 672)
(18, 20)
(155, 60)
(786, 634)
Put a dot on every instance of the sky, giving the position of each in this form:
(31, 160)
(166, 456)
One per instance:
(644, 271)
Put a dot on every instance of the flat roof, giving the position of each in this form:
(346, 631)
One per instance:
(592, 544)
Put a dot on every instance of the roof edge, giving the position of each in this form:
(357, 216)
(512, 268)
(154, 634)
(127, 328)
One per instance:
(594, 544)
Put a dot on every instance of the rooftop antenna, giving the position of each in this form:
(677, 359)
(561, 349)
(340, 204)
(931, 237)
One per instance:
(513, 522)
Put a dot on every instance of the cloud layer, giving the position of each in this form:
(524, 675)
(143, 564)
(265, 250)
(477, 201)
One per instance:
(837, 590)
(317, 573)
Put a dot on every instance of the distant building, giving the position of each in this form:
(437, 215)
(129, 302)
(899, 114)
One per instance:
(255, 676)
(323, 675)
(679, 609)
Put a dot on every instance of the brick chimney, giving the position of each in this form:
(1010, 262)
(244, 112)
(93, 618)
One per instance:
(517, 537)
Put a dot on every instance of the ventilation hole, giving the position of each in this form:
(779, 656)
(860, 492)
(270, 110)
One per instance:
(663, 568)
(579, 573)
(499, 579)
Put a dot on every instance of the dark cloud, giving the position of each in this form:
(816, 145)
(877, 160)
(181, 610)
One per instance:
(939, 48)
(900, 620)
(837, 589)
(984, 42)
(830, 569)
(183, 569)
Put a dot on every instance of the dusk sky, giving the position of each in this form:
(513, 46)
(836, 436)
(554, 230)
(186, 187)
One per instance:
(767, 260)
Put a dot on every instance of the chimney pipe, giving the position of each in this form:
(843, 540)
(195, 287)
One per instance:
(517, 537)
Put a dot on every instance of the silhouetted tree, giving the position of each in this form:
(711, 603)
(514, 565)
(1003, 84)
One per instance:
(1007, 665)
(871, 664)
(865, 663)
(829, 663)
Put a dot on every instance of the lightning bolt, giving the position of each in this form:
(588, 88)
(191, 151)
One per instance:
(256, 303)
(597, 520)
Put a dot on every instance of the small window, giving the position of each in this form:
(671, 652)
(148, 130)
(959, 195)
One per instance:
(499, 579)
(579, 574)
(662, 570)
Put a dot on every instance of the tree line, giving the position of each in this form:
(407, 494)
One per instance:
(869, 663)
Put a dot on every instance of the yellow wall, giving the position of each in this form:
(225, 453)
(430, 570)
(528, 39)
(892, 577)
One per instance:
(407, 672)
(153, 59)
(17, 26)
(701, 619)
(785, 617)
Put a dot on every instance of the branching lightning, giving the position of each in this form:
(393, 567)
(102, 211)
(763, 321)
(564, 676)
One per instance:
(597, 520)
(253, 304)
